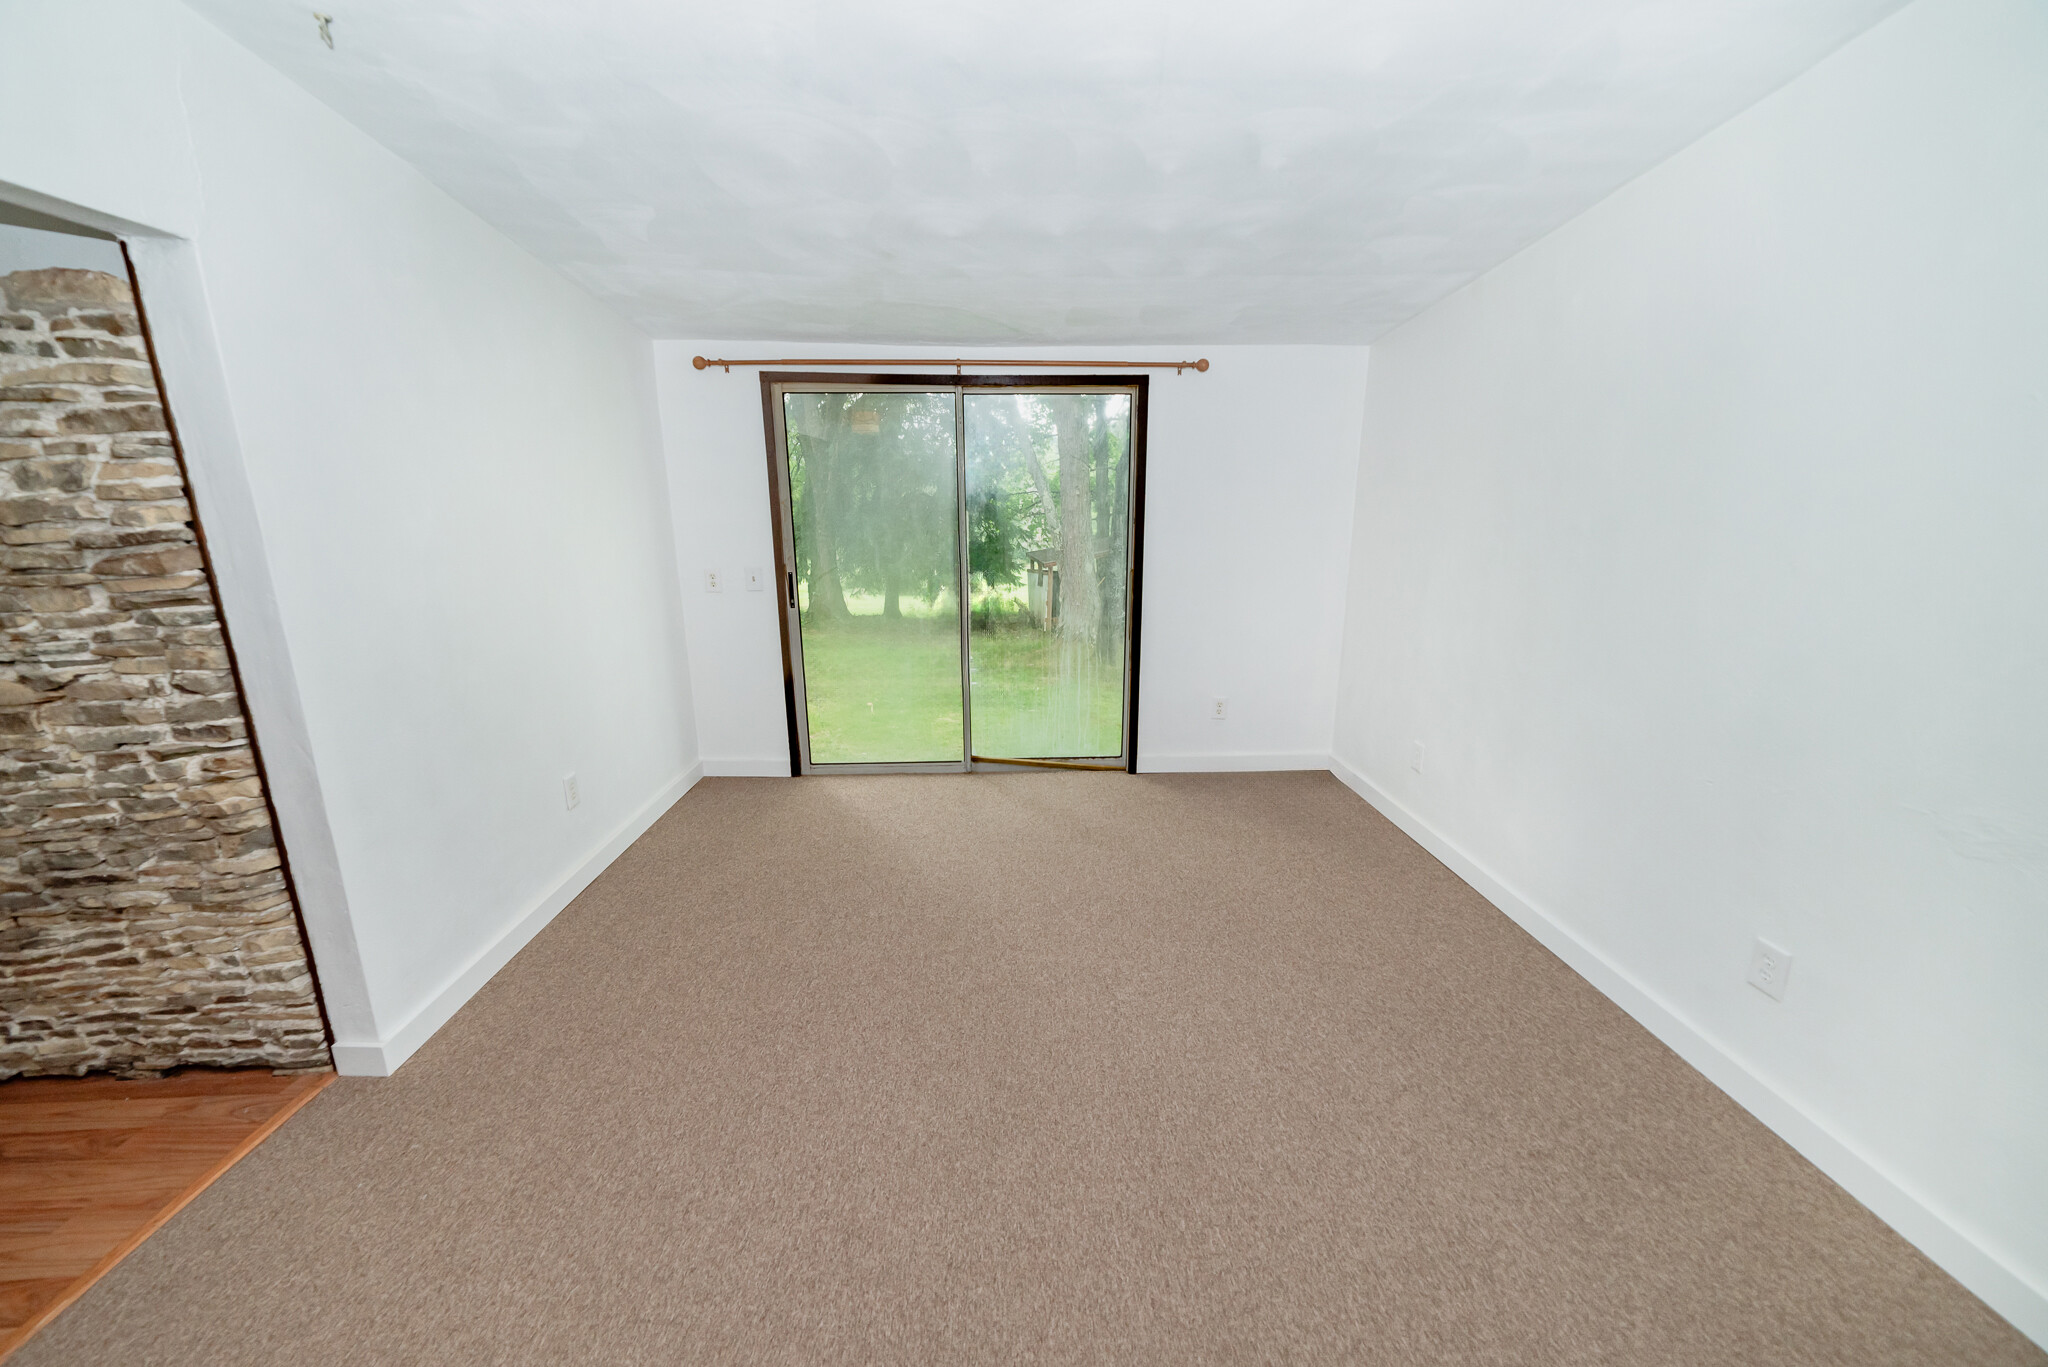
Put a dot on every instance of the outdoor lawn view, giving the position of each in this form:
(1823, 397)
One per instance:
(874, 502)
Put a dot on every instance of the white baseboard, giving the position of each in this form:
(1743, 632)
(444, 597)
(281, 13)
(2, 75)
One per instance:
(380, 1058)
(1149, 763)
(747, 768)
(1891, 1198)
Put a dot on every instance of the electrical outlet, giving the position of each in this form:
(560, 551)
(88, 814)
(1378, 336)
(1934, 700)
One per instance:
(1219, 709)
(756, 578)
(1415, 758)
(570, 797)
(1769, 968)
(714, 581)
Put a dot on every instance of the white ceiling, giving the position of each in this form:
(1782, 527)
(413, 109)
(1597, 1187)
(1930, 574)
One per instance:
(1066, 171)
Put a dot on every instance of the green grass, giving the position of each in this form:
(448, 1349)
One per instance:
(1025, 709)
(884, 690)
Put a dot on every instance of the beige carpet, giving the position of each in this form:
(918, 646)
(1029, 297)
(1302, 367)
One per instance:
(1032, 1068)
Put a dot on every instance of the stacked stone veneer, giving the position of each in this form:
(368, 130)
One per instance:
(145, 921)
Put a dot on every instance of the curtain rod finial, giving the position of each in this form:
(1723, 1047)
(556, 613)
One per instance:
(699, 362)
(1202, 364)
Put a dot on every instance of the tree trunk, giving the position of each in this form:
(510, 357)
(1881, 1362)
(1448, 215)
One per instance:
(1077, 537)
(1037, 469)
(828, 600)
(1044, 487)
(1117, 553)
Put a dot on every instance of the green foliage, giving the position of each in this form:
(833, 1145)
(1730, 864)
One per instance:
(871, 482)
(873, 498)
(993, 553)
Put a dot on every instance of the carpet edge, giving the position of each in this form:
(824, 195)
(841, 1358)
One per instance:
(381, 1058)
(1913, 1216)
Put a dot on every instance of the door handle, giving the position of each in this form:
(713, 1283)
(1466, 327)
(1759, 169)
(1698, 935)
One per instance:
(792, 586)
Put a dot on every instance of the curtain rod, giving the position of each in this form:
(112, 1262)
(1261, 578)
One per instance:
(705, 363)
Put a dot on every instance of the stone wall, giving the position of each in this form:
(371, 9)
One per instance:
(145, 921)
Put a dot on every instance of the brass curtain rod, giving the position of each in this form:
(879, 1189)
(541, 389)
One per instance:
(705, 363)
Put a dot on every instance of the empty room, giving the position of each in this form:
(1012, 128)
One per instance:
(893, 683)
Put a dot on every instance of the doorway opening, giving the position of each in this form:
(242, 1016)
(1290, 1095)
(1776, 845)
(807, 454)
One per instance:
(959, 563)
(149, 935)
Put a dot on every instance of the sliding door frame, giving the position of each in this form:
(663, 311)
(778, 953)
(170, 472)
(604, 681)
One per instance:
(781, 511)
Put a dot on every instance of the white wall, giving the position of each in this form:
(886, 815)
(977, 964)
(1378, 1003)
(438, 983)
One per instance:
(1704, 545)
(431, 473)
(1249, 472)
(33, 249)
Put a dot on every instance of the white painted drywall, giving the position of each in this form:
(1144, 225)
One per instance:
(1705, 547)
(456, 501)
(1249, 472)
(33, 249)
(123, 152)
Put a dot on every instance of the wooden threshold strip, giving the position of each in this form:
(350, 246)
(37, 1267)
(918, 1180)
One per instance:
(27, 1330)
(1049, 764)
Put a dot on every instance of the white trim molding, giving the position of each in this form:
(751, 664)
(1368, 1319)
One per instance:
(1944, 1240)
(381, 1058)
(173, 288)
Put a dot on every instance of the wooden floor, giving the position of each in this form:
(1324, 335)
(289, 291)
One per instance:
(89, 1167)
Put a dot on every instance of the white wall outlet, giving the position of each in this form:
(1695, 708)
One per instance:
(570, 797)
(714, 581)
(756, 578)
(1769, 967)
(1219, 709)
(1415, 758)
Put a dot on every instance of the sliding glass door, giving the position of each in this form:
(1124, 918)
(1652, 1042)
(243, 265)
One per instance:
(1048, 517)
(959, 570)
(873, 485)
